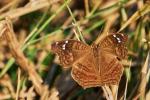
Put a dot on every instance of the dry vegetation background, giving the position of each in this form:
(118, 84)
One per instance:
(28, 69)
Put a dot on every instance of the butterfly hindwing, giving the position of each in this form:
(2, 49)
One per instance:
(69, 51)
(110, 69)
(84, 72)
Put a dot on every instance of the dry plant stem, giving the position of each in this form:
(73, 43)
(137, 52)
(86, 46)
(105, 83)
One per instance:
(18, 84)
(28, 9)
(138, 29)
(8, 34)
(30, 94)
(114, 89)
(16, 3)
(141, 12)
(69, 21)
(137, 97)
(147, 95)
(76, 34)
(86, 3)
(8, 84)
(95, 7)
(5, 96)
(125, 94)
(142, 86)
(126, 87)
(148, 72)
(7, 6)
(107, 92)
(45, 95)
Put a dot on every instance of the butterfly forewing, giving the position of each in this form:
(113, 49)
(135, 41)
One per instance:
(69, 51)
(115, 44)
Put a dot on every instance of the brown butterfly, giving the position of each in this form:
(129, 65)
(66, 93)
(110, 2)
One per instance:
(94, 65)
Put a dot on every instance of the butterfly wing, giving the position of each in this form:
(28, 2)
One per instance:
(115, 44)
(110, 69)
(109, 50)
(84, 72)
(69, 51)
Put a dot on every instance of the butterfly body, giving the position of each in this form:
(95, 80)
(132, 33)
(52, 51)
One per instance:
(94, 65)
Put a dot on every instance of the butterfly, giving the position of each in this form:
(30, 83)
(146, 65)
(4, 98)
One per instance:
(96, 64)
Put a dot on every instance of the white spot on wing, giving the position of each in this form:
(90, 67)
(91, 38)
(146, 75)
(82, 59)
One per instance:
(56, 43)
(118, 39)
(114, 35)
(64, 46)
(122, 34)
(66, 41)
